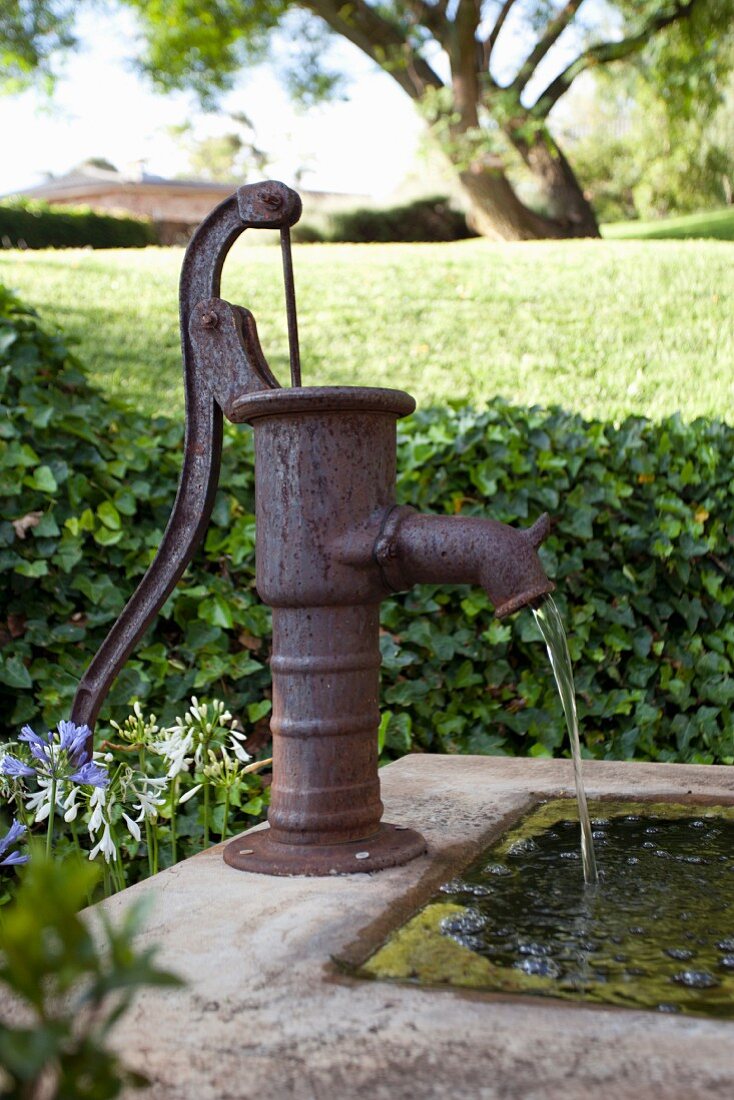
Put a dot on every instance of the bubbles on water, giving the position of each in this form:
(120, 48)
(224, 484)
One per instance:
(468, 922)
(533, 949)
(540, 967)
(696, 979)
(522, 847)
(497, 869)
(697, 825)
(662, 920)
(455, 886)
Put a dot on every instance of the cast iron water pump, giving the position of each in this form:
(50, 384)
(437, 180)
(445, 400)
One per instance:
(331, 544)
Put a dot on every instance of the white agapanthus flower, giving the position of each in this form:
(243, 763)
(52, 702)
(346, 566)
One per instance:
(137, 729)
(39, 803)
(176, 747)
(105, 845)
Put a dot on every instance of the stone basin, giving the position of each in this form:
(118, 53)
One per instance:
(272, 1010)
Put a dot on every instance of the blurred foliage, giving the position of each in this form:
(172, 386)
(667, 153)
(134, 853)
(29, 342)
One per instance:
(641, 551)
(469, 67)
(28, 224)
(640, 156)
(69, 981)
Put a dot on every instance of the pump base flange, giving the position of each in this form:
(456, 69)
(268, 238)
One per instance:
(390, 846)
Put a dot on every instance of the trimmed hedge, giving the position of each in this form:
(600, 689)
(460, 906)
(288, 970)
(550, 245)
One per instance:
(26, 224)
(641, 551)
(430, 219)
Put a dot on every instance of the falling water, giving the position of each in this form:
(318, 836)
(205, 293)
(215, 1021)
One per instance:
(549, 621)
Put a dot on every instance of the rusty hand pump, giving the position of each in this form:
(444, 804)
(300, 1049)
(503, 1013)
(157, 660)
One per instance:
(331, 544)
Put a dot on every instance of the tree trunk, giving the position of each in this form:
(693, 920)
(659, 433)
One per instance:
(496, 212)
(567, 204)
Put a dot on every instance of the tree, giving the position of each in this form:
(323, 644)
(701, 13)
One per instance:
(223, 158)
(452, 58)
(446, 54)
(637, 160)
(31, 33)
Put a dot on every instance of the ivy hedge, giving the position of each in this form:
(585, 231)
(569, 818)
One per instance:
(28, 224)
(641, 551)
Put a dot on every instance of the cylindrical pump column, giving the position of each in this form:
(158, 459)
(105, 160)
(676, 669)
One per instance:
(325, 484)
(326, 667)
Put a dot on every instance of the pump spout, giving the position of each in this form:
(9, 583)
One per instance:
(427, 549)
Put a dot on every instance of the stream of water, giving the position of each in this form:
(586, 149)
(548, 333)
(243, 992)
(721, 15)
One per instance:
(550, 624)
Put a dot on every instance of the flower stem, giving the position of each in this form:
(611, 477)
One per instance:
(148, 831)
(174, 801)
(206, 813)
(75, 834)
(51, 815)
(226, 814)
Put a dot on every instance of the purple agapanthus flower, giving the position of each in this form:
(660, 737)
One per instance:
(62, 754)
(11, 838)
(91, 775)
(16, 769)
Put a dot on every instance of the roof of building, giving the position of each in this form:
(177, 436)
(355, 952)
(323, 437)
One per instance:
(89, 178)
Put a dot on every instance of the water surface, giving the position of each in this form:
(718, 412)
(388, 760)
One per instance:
(659, 933)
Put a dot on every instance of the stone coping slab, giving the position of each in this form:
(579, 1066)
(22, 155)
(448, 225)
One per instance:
(270, 1009)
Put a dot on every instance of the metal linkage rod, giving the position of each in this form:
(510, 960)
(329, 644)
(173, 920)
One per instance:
(290, 306)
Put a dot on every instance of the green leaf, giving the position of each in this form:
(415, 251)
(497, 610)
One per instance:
(36, 568)
(216, 611)
(109, 516)
(44, 480)
(14, 673)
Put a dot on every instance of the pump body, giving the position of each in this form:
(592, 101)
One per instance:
(332, 543)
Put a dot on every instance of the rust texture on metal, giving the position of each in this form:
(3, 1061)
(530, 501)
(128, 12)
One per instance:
(332, 543)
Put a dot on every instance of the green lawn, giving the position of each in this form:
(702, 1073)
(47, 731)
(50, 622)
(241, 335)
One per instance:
(715, 225)
(604, 327)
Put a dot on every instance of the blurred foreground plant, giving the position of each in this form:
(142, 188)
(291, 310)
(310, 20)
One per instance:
(64, 984)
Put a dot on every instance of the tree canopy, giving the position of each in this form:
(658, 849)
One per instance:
(485, 73)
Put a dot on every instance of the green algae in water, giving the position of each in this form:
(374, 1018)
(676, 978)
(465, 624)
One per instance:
(657, 933)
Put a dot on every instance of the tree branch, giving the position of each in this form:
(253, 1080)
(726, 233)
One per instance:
(491, 39)
(550, 36)
(381, 40)
(465, 57)
(606, 52)
(431, 16)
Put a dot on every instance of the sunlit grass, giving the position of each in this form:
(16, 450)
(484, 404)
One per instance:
(603, 327)
(716, 225)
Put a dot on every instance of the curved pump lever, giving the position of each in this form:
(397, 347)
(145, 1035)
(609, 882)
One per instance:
(222, 361)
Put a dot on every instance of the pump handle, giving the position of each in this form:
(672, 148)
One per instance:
(222, 361)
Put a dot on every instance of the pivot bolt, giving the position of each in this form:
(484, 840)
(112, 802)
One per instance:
(209, 320)
(270, 198)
